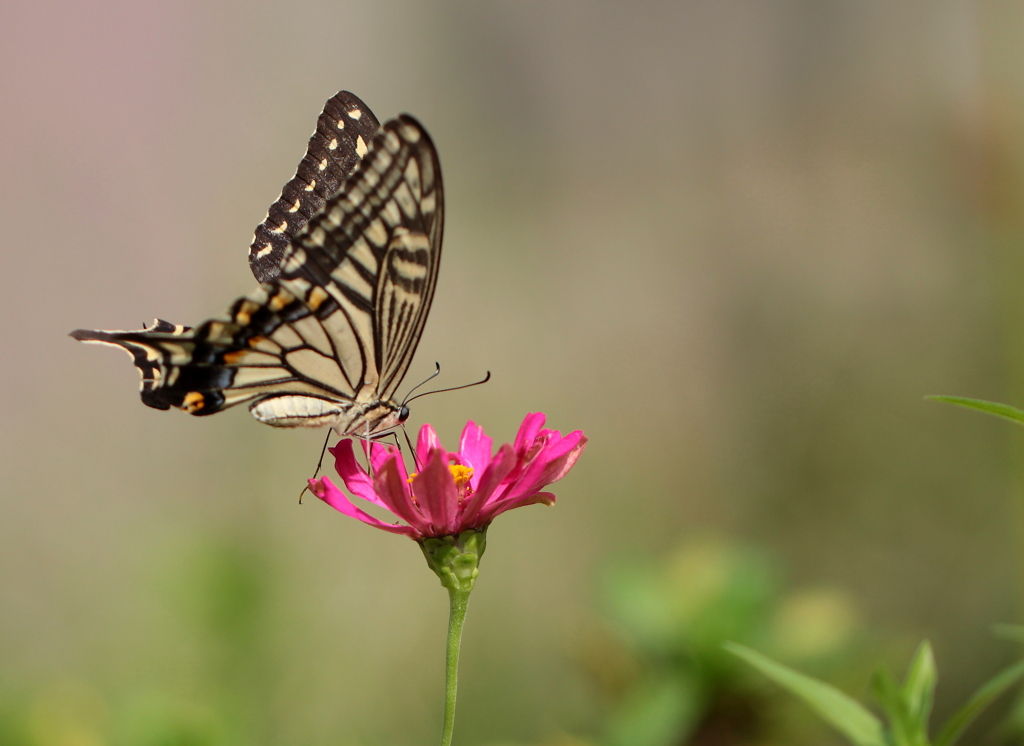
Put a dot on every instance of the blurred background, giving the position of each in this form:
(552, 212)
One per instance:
(734, 242)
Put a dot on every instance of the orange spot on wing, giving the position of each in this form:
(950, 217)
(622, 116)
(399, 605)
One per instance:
(316, 296)
(194, 401)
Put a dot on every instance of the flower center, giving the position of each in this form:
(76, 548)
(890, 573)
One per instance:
(460, 474)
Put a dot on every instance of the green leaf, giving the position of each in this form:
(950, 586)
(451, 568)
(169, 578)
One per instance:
(919, 686)
(658, 712)
(841, 711)
(963, 717)
(1011, 632)
(999, 410)
(889, 695)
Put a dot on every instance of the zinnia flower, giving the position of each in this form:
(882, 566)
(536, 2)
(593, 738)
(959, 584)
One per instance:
(453, 491)
(448, 504)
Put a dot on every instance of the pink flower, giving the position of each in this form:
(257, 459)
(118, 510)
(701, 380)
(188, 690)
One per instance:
(458, 490)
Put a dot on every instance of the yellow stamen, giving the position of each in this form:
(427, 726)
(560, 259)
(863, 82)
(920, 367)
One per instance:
(461, 474)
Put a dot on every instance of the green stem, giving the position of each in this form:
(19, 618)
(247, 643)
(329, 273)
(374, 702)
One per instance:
(456, 618)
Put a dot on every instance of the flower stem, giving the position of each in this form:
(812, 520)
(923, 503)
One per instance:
(456, 618)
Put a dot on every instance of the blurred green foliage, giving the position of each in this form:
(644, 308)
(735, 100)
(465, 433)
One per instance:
(220, 590)
(658, 658)
(907, 706)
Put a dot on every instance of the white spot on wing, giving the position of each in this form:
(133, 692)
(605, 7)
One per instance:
(323, 165)
(341, 124)
(361, 148)
(333, 144)
(356, 114)
(295, 207)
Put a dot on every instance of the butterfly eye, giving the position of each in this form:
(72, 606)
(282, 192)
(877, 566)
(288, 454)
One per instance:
(403, 414)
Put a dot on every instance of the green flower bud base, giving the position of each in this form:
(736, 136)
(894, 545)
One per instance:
(455, 560)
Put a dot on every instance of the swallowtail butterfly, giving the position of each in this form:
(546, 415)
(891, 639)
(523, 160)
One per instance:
(347, 260)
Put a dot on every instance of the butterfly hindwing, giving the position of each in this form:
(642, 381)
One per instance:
(342, 137)
(268, 345)
(328, 341)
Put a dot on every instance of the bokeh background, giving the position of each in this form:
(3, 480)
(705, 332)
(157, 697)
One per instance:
(735, 242)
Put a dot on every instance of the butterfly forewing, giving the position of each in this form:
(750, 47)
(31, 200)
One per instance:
(369, 261)
(342, 137)
(329, 340)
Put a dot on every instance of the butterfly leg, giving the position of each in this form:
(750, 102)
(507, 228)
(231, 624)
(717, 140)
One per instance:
(318, 464)
(415, 461)
(368, 445)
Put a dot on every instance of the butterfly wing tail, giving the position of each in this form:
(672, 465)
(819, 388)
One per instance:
(151, 350)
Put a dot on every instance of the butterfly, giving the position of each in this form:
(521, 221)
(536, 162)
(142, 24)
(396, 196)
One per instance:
(347, 260)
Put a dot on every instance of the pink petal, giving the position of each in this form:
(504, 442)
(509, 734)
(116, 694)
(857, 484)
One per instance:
(435, 490)
(532, 423)
(502, 463)
(475, 449)
(425, 443)
(356, 480)
(379, 453)
(551, 463)
(566, 462)
(326, 491)
(494, 510)
(392, 488)
(526, 476)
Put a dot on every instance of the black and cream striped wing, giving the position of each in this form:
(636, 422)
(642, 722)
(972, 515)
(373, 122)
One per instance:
(368, 263)
(342, 137)
(331, 338)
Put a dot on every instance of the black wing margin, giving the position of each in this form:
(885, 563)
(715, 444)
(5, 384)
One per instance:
(343, 134)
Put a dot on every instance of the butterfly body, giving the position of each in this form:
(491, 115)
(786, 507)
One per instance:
(328, 335)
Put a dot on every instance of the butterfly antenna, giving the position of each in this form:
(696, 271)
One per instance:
(318, 464)
(429, 378)
(485, 379)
